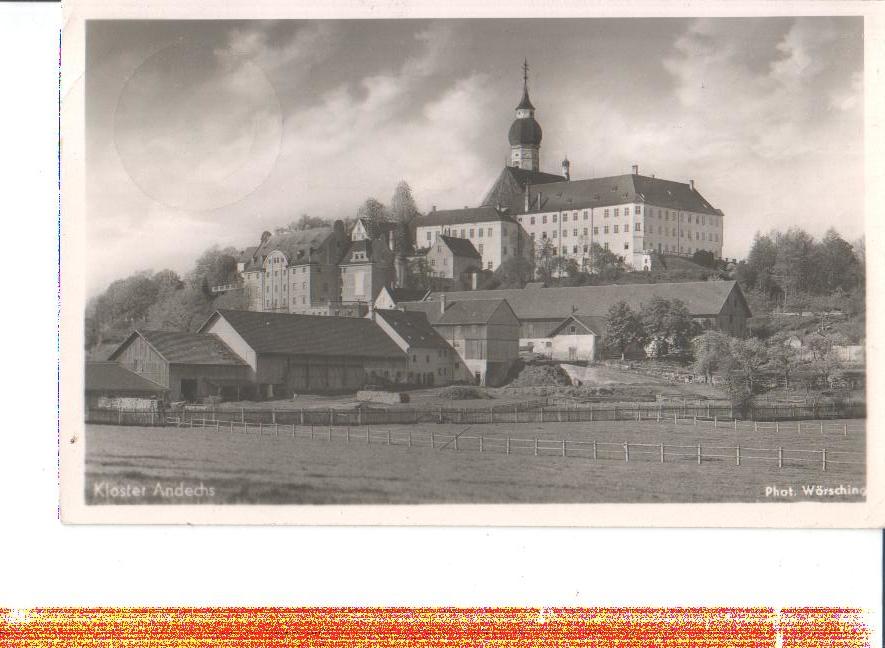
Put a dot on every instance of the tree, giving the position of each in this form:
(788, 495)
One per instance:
(794, 268)
(782, 358)
(604, 262)
(402, 204)
(215, 267)
(514, 272)
(668, 325)
(306, 222)
(623, 328)
(749, 357)
(836, 264)
(704, 258)
(712, 353)
(758, 273)
(546, 260)
(372, 212)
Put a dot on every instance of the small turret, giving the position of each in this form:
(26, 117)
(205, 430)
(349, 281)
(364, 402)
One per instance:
(566, 165)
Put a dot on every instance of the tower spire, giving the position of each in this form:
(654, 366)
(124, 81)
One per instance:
(525, 73)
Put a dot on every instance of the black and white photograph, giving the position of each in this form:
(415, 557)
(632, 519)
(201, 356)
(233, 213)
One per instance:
(485, 261)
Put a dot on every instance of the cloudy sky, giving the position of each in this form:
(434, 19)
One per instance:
(204, 132)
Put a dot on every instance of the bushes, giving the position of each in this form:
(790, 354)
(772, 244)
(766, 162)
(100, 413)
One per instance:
(541, 375)
(463, 392)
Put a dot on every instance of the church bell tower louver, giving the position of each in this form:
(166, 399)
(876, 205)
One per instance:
(525, 133)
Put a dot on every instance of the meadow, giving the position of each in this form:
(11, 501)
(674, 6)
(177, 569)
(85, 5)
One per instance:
(425, 464)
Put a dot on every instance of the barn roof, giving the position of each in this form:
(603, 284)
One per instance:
(183, 347)
(114, 377)
(478, 311)
(702, 298)
(289, 334)
(413, 328)
(589, 323)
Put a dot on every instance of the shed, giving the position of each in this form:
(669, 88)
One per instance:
(109, 384)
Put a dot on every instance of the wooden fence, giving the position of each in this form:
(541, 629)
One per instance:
(823, 458)
(509, 414)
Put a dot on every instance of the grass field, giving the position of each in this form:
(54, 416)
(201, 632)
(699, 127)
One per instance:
(132, 465)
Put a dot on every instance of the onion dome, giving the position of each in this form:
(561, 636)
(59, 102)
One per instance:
(525, 132)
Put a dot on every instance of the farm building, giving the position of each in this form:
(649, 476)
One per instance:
(109, 384)
(191, 366)
(287, 353)
(431, 360)
(578, 337)
(484, 334)
(715, 304)
(389, 297)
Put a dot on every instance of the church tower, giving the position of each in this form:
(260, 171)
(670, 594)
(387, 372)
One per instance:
(525, 132)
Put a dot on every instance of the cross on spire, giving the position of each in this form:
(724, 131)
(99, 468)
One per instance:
(525, 72)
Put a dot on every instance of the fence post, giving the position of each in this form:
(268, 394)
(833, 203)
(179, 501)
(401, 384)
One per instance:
(368, 438)
(388, 437)
(311, 431)
(755, 425)
(738, 456)
(844, 429)
(152, 417)
(595, 455)
(695, 419)
(481, 449)
(662, 453)
(302, 416)
(217, 426)
(243, 415)
(626, 452)
(536, 446)
(516, 414)
(823, 454)
(699, 454)
(735, 425)
(119, 415)
(231, 426)
(675, 419)
(715, 422)
(591, 412)
(410, 437)
(508, 445)
(563, 447)
(456, 443)
(260, 428)
(780, 457)
(432, 440)
(708, 410)
(777, 427)
(273, 415)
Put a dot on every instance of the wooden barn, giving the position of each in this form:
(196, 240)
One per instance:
(286, 354)
(111, 385)
(191, 366)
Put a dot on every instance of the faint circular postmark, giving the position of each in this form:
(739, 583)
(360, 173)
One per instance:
(197, 128)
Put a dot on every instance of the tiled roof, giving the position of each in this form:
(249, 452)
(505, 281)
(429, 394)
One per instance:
(460, 247)
(296, 246)
(371, 250)
(114, 377)
(458, 216)
(478, 311)
(591, 323)
(510, 184)
(702, 298)
(289, 334)
(600, 192)
(413, 327)
(182, 347)
(406, 294)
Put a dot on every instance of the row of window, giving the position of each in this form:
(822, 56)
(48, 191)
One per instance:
(666, 214)
(440, 353)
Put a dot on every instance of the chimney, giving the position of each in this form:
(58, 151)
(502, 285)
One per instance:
(474, 280)
(442, 303)
(528, 191)
(539, 200)
(433, 208)
(691, 184)
(635, 169)
(566, 165)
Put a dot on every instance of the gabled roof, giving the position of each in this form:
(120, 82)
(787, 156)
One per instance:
(288, 334)
(375, 228)
(478, 311)
(460, 247)
(405, 294)
(702, 298)
(510, 184)
(585, 323)
(374, 250)
(297, 246)
(182, 347)
(600, 192)
(413, 328)
(114, 377)
(459, 216)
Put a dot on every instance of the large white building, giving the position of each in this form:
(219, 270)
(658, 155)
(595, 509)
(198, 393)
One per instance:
(633, 215)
